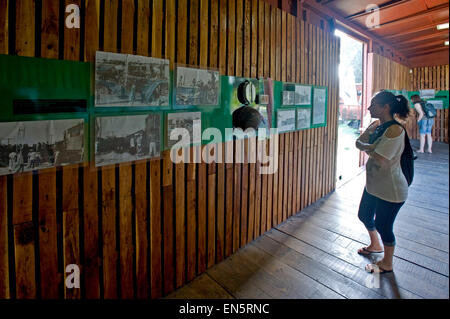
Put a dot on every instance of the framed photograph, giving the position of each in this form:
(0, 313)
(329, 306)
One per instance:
(303, 95)
(438, 104)
(288, 98)
(123, 80)
(197, 87)
(303, 118)
(184, 128)
(127, 138)
(319, 106)
(285, 120)
(35, 145)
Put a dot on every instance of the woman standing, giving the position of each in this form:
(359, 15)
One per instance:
(386, 187)
(425, 124)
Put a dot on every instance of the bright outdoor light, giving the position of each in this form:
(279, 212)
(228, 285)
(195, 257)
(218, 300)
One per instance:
(442, 26)
(446, 42)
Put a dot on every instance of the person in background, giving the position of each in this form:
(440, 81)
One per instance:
(425, 124)
(386, 187)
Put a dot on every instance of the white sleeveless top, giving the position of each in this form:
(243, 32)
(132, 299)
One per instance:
(387, 181)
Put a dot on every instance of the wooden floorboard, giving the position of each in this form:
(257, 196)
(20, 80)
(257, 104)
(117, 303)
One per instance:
(313, 253)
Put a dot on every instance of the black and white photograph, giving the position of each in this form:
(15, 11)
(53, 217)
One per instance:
(286, 120)
(303, 118)
(188, 121)
(302, 95)
(34, 145)
(288, 98)
(123, 80)
(197, 86)
(127, 138)
(319, 107)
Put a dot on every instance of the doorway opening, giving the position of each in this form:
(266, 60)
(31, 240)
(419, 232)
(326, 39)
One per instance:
(350, 107)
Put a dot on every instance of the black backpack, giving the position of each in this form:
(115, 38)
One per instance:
(407, 158)
(428, 110)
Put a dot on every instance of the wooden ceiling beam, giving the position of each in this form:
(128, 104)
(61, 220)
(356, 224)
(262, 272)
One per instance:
(422, 14)
(347, 25)
(421, 45)
(419, 53)
(424, 37)
(421, 28)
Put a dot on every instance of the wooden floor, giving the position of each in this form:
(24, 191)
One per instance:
(313, 254)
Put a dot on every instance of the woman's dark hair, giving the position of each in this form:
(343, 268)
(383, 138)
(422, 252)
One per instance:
(416, 98)
(246, 117)
(399, 104)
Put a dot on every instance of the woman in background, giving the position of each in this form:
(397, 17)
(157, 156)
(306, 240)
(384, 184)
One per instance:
(425, 124)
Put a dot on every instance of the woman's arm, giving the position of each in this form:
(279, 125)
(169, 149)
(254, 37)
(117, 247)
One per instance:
(362, 143)
(418, 108)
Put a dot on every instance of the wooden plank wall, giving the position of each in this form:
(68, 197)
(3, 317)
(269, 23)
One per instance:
(141, 230)
(435, 77)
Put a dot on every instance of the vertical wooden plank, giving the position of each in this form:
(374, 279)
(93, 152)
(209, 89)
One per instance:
(252, 221)
(91, 32)
(110, 26)
(237, 193)
(299, 175)
(239, 37)
(286, 176)
(283, 46)
(71, 224)
(294, 174)
(24, 236)
(289, 47)
(247, 45)
(155, 230)
(4, 27)
(254, 39)
(127, 27)
(231, 28)
(275, 189)
(220, 229)
(273, 37)
(180, 231)
(25, 261)
(264, 224)
(201, 221)
(125, 232)
(214, 35)
(109, 233)
(168, 235)
(244, 195)
(229, 193)
(270, 179)
(72, 38)
(267, 39)
(141, 220)
(212, 220)
(48, 228)
(193, 32)
(91, 235)
(25, 32)
(278, 45)
(4, 262)
(143, 25)
(191, 222)
(204, 33)
(223, 37)
(157, 28)
(258, 198)
(280, 178)
(49, 29)
(182, 21)
(261, 40)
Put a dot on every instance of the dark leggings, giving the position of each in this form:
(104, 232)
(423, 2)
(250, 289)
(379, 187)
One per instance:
(385, 213)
